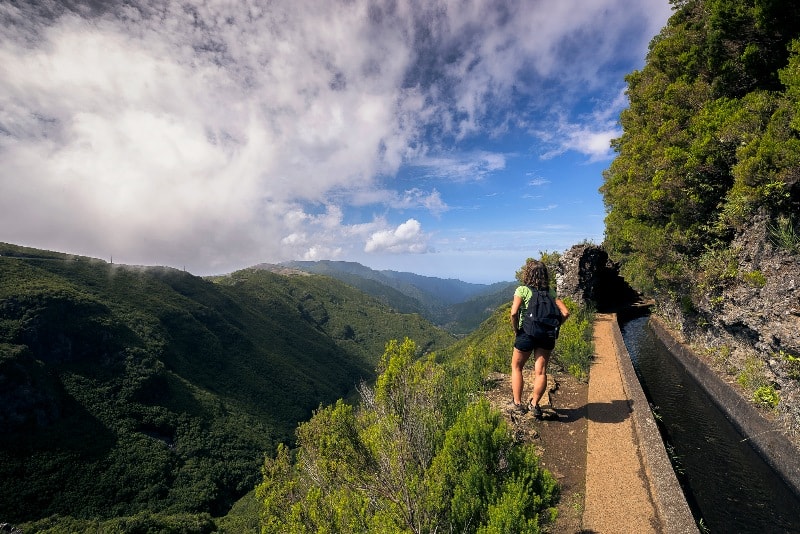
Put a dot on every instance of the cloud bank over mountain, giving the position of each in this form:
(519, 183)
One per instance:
(217, 135)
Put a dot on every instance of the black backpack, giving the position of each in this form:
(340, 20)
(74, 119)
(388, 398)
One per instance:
(542, 318)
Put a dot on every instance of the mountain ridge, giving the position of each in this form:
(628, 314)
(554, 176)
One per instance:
(452, 304)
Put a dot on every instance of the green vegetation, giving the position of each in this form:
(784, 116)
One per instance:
(755, 278)
(422, 451)
(792, 364)
(711, 139)
(574, 347)
(718, 269)
(142, 522)
(784, 235)
(457, 306)
(752, 377)
(143, 400)
(153, 394)
(486, 349)
(766, 396)
(418, 455)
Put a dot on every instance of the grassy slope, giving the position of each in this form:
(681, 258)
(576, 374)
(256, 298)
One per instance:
(488, 347)
(125, 389)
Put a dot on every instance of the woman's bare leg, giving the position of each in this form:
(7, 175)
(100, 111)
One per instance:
(518, 359)
(542, 356)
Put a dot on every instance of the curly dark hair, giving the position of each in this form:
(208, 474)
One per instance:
(535, 274)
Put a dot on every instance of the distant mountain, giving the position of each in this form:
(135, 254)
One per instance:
(466, 316)
(452, 304)
(125, 389)
(356, 275)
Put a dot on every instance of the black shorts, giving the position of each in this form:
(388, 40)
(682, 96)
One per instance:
(526, 343)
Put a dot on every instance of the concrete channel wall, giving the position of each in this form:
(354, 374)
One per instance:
(771, 444)
(665, 490)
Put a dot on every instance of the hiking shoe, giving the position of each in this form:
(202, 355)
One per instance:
(517, 409)
(537, 412)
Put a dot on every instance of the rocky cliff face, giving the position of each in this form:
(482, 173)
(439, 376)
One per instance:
(747, 325)
(742, 317)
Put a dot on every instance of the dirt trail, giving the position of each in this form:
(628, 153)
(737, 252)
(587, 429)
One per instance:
(560, 440)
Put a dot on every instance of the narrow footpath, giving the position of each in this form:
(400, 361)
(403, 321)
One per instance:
(602, 444)
(617, 494)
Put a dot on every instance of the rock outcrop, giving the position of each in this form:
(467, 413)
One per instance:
(586, 275)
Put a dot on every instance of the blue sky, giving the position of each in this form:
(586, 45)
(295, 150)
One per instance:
(447, 138)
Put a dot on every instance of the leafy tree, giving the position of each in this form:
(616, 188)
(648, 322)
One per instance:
(413, 457)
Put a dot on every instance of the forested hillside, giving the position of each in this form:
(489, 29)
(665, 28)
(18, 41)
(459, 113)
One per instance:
(457, 306)
(126, 389)
(703, 197)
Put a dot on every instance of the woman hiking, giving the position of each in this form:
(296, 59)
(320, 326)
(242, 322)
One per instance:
(535, 285)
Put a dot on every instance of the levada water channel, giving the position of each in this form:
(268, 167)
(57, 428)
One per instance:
(728, 486)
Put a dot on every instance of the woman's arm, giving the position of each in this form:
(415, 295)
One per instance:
(563, 309)
(515, 305)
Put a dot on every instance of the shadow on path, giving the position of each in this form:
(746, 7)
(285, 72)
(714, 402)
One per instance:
(615, 411)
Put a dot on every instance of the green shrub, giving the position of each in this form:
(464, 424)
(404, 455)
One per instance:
(752, 376)
(755, 278)
(767, 396)
(718, 268)
(792, 364)
(574, 348)
(412, 453)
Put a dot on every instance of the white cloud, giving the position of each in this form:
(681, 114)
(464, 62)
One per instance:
(463, 167)
(406, 238)
(590, 135)
(414, 198)
(537, 181)
(593, 141)
(203, 134)
(410, 199)
(549, 207)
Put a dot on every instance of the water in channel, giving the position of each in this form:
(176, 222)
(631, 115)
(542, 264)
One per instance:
(726, 482)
